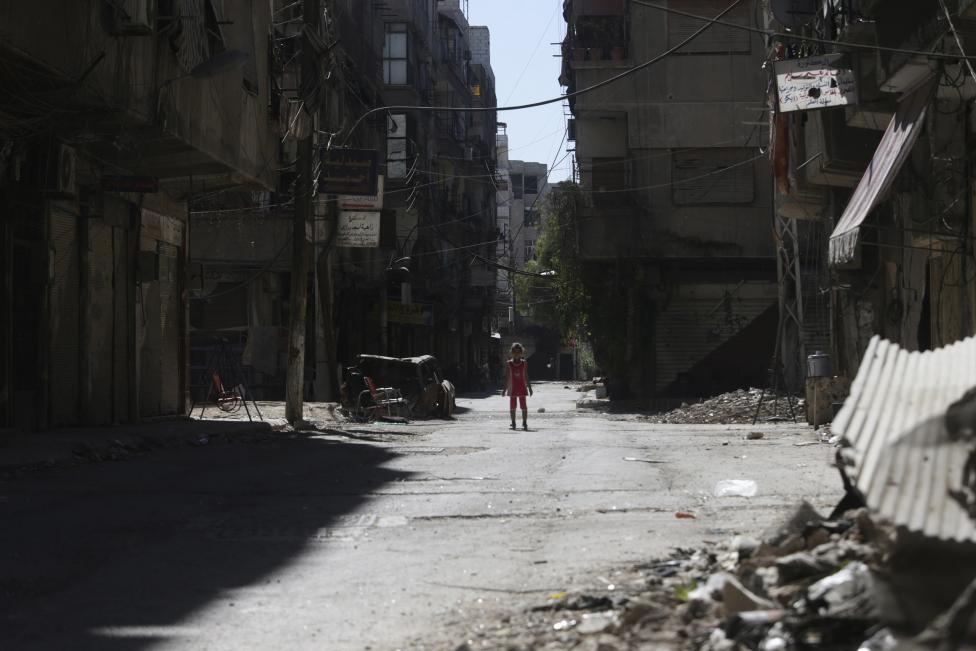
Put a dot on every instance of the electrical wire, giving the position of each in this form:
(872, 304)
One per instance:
(562, 98)
(809, 39)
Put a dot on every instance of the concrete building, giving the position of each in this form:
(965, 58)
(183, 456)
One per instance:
(676, 229)
(886, 196)
(522, 189)
(110, 122)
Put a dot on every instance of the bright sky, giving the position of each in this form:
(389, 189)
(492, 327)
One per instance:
(526, 71)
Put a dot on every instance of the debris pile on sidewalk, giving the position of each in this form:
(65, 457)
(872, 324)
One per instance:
(736, 407)
(892, 569)
(810, 583)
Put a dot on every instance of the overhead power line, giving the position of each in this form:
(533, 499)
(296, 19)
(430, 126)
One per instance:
(562, 98)
(797, 37)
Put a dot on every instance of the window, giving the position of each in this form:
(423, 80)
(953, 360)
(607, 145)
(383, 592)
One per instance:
(720, 175)
(611, 183)
(531, 185)
(531, 218)
(517, 185)
(395, 55)
(529, 249)
(396, 146)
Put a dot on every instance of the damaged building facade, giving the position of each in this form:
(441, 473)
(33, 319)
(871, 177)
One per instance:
(881, 178)
(415, 288)
(675, 234)
(109, 121)
(148, 184)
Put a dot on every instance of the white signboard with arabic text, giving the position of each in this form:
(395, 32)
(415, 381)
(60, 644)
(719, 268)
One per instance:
(359, 203)
(814, 83)
(360, 230)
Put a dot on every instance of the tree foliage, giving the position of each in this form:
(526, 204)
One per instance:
(560, 298)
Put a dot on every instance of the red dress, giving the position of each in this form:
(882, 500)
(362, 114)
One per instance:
(519, 385)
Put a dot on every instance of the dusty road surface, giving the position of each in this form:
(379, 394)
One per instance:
(386, 537)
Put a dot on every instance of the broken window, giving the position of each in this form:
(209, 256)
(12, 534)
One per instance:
(517, 185)
(610, 182)
(395, 55)
(713, 176)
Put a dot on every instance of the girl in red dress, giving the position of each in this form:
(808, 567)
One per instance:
(517, 384)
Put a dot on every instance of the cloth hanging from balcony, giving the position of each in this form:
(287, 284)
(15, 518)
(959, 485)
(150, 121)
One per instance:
(892, 151)
(199, 35)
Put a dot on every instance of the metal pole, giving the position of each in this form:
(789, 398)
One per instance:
(295, 378)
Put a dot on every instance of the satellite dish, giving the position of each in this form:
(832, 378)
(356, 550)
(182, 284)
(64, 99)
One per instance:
(794, 13)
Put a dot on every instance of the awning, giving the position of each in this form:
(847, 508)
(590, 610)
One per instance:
(895, 146)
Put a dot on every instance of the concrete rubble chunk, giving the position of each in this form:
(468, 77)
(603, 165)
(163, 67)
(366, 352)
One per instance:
(803, 565)
(736, 598)
(788, 536)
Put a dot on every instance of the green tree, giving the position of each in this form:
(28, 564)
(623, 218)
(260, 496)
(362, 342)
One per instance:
(555, 292)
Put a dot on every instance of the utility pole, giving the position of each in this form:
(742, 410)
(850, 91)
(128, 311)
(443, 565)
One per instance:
(295, 378)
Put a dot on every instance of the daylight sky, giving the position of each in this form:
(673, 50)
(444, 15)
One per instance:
(526, 71)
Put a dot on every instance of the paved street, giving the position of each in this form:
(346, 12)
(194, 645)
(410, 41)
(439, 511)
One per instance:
(377, 539)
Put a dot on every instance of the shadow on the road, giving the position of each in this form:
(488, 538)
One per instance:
(117, 556)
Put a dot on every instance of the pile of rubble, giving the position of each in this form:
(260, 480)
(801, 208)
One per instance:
(811, 583)
(736, 407)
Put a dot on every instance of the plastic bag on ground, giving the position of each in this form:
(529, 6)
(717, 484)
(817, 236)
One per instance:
(736, 488)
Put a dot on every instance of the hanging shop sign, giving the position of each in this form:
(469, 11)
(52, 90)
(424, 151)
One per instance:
(359, 202)
(359, 230)
(349, 171)
(815, 83)
(418, 314)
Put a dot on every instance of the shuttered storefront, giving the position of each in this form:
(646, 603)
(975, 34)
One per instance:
(64, 308)
(159, 315)
(698, 319)
(101, 323)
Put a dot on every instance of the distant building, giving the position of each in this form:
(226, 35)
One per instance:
(676, 228)
(522, 189)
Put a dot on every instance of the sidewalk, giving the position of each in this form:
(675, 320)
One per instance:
(22, 451)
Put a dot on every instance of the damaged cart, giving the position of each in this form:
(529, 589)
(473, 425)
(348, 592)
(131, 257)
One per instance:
(412, 387)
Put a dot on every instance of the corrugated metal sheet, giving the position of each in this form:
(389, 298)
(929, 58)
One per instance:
(693, 325)
(717, 38)
(900, 457)
(894, 148)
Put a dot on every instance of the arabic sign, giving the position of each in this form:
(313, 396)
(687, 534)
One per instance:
(349, 171)
(360, 230)
(814, 83)
(410, 313)
(363, 201)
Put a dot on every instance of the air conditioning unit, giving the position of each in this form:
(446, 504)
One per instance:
(134, 17)
(65, 181)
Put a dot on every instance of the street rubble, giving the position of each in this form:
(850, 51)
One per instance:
(809, 583)
(735, 407)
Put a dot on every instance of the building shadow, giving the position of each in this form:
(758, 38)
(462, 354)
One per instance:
(112, 556)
